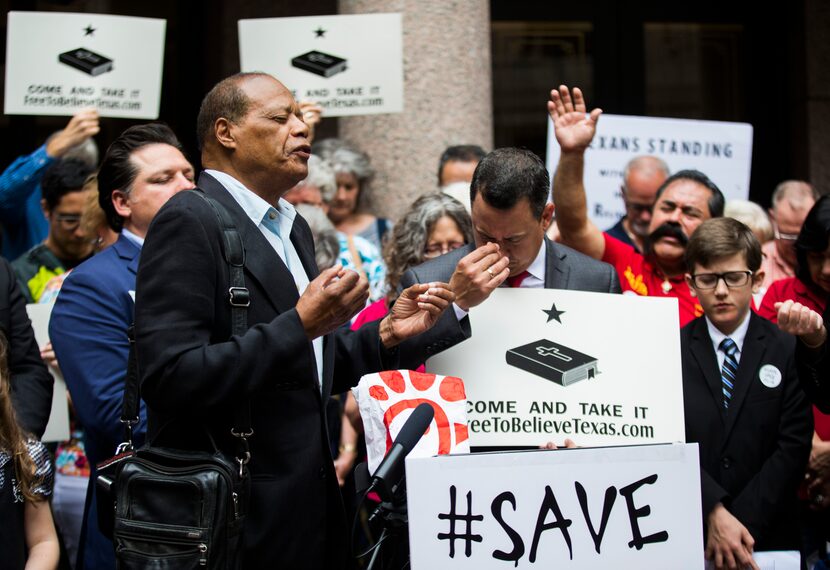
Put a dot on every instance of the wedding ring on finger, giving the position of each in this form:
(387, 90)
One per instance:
(818, 499)
(489, 271)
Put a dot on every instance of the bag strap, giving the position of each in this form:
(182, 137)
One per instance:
(239, 299)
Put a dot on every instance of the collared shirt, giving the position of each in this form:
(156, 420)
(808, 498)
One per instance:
(617, 231)
(738, 335)
(139, 241)
(638, 275)
(261, 214)
(536, 269)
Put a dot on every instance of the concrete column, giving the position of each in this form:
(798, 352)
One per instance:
(447, 97)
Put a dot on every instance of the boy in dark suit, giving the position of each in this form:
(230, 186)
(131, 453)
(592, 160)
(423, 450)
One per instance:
(743, 404)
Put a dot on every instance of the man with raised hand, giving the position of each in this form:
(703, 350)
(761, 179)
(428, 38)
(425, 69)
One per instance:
(684, 201)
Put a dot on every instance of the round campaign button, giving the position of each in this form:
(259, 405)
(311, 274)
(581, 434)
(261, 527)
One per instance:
(770, 376)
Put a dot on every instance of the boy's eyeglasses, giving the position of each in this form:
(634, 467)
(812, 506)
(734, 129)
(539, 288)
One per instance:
(733, 279)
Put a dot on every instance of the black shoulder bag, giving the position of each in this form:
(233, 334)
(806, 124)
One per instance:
(174, 508)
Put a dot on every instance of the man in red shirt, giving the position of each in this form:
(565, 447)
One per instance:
(684, 201)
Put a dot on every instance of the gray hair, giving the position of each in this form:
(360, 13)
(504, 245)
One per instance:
(326, 243)
(800, 195)
(646, 163)
(752, 215)
(408, 243)
(346, 160)
(321, 176)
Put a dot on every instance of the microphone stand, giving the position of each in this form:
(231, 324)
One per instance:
(392, 516)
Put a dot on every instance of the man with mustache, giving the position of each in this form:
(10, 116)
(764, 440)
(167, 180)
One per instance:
(684, 201)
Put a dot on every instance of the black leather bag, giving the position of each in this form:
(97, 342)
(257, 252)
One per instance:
(173, 508)
(179, 509)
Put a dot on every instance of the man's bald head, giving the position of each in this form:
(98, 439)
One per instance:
(226, 100)
(797, 194)
(642, 176)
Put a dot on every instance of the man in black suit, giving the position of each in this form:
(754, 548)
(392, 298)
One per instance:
(510, 214)
(255, 148)
(743, 403)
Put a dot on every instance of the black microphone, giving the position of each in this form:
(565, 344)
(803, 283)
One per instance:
(390, 470)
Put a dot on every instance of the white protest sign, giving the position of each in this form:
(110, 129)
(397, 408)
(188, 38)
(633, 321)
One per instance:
(349, 64)
(548, 364)
(58, 63)
(58, 427)
(623, 507)
(721, 150)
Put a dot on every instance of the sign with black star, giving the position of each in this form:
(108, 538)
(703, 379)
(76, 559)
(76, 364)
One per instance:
(58, 63)
(349, 64)
(553, 313)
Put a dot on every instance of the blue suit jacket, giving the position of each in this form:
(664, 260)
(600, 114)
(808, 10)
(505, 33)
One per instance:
(88, 330)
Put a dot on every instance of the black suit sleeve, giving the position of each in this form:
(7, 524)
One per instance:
(814, 370)
(711, 493)
(759, 502)
(186, 360)
(31, 382)
(614, 285)
(185, 357)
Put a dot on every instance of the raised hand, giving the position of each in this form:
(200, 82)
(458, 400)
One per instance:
(81, 126)
(333, 298)
(801, 321)
(416, 310)
(312, 115)
(478, 274)
(574, 129)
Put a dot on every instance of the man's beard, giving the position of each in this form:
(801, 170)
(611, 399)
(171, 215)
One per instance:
(640, 229)
(668, 229)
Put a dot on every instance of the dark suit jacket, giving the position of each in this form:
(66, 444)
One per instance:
(565, 269)
(88, 329)
(31, 383)
(193, 375)
(814, 370)
(753, 457)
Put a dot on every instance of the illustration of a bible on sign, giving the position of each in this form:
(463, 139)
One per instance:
(545, 365)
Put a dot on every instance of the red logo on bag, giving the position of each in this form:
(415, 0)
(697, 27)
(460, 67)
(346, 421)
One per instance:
(450, 389)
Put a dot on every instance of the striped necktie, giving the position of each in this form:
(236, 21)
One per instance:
(729, 371)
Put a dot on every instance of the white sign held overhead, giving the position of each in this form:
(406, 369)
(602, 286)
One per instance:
(58, 63)
(349, 64)
(548, 365)
(721, 150)
(622, 507)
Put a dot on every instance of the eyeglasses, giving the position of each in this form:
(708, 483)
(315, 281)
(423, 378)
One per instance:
(639, 208)
(436, 249)
(784, 237)
(68, 221)
(733, 279)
